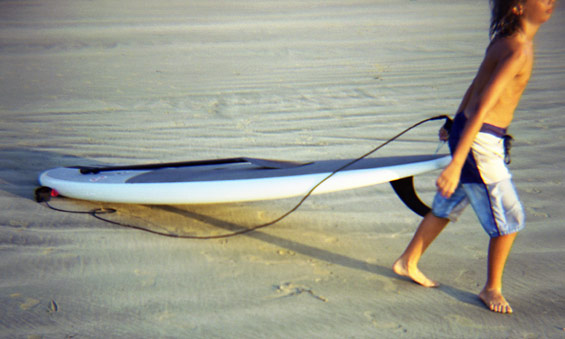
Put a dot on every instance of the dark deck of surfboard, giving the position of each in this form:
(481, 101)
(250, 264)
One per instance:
(255, 170)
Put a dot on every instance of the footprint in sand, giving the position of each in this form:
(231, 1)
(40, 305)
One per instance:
(29, 303)
(382, 324)
(290, 290)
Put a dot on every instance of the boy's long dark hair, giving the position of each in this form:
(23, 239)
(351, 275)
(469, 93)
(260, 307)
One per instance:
(503, 21)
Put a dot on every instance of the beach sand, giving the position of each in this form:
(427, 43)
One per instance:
(129, 82)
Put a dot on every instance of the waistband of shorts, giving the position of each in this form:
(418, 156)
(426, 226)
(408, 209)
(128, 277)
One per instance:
(485, 128)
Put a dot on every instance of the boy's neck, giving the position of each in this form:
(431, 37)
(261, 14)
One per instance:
(529, 30)
(530, 34)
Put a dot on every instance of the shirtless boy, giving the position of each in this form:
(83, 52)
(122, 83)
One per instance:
(477, 173)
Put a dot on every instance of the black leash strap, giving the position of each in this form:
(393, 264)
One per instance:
(44, 194)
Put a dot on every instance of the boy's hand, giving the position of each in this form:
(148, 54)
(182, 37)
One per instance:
(448, 180)
(443, 134)
(445, 130)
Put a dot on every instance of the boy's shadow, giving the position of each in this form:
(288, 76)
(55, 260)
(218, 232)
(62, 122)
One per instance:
(19, 176)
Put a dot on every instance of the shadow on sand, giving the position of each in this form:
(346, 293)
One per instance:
(20, 169)
(316, 253)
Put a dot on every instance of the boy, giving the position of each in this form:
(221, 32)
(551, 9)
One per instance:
(477, 173)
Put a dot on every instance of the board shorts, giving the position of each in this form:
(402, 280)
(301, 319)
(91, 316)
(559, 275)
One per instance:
(485, 183)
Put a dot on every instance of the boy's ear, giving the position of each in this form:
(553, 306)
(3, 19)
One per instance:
(518, 10)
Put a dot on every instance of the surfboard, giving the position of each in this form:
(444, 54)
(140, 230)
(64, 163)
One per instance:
(230, 180)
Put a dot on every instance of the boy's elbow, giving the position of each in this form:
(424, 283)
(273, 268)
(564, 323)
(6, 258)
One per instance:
(479, 111)
(479, 108)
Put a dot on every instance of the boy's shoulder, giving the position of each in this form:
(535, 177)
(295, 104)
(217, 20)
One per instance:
(506, 48)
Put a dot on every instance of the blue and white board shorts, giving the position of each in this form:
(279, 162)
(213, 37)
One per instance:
(485, 184)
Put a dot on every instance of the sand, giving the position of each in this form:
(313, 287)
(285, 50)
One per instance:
(128, 82)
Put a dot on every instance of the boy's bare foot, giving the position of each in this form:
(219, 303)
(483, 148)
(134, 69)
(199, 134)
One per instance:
(401, 268)
(494, 301)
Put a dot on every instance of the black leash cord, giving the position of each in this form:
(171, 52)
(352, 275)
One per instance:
(42, 196)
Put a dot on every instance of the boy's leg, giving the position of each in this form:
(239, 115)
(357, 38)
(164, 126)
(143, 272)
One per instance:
(491, 295)
(499, 211)
(407, 265)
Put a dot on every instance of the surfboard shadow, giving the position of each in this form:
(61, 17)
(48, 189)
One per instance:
(294, 246)
(20, 168)
(315, 252)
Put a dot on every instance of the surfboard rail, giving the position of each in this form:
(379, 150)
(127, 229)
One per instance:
(238, 180)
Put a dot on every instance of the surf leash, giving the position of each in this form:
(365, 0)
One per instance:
(45, 194)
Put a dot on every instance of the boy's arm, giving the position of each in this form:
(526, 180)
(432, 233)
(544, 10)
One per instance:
(466, 97)
(443, 132)
(506, 70)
